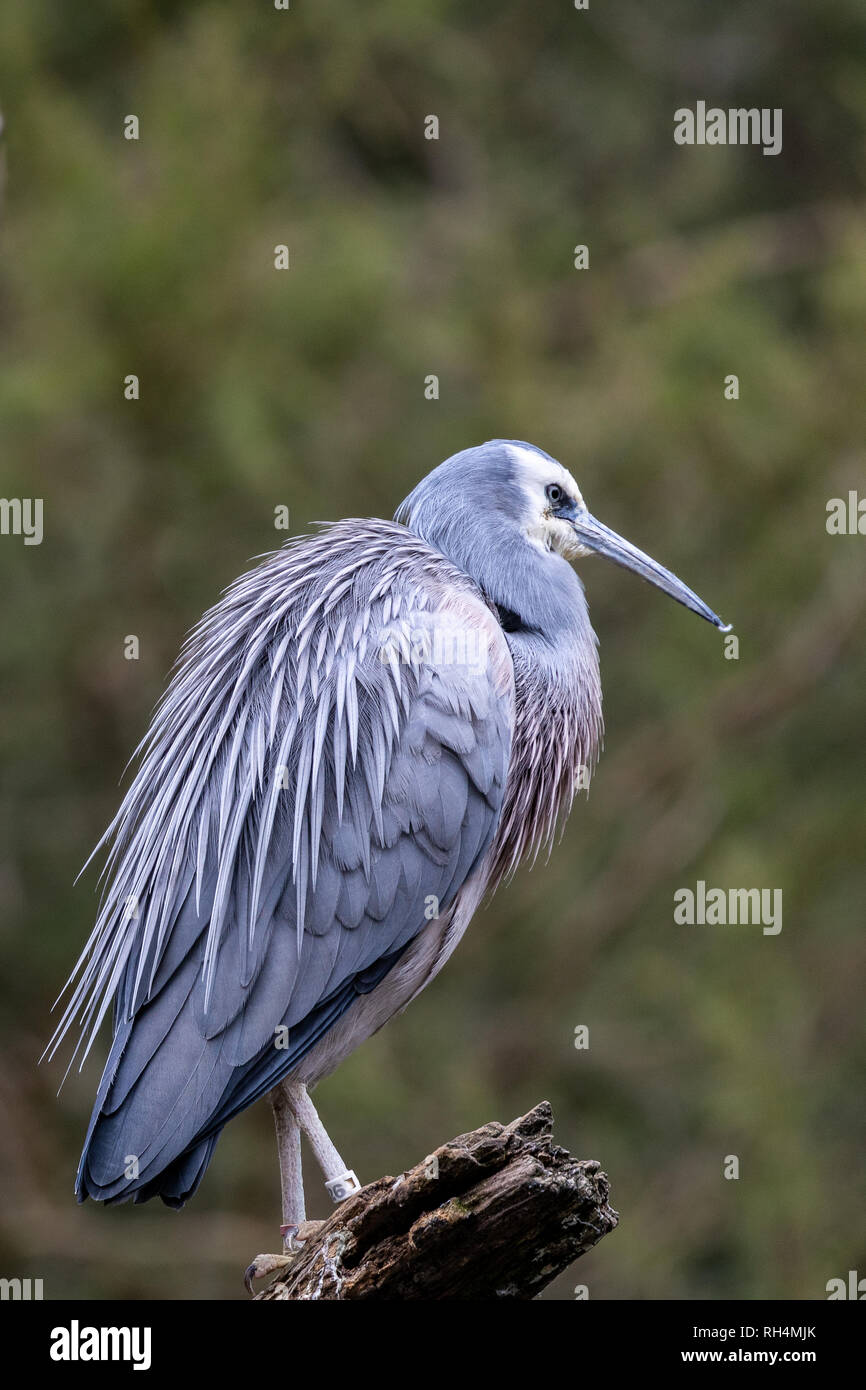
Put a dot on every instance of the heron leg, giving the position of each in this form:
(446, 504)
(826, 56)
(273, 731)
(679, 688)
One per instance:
(295, 1228)
(289, 1151)
(339, 1180)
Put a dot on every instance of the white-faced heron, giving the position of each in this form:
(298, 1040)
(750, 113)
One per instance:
(366, 734)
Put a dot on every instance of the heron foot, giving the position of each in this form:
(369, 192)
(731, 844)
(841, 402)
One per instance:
(294, 1239)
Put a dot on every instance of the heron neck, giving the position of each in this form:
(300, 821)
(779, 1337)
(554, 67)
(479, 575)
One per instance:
(558, 719)
(537, 586)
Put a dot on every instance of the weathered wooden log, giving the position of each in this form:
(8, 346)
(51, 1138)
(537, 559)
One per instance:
(497, 1213)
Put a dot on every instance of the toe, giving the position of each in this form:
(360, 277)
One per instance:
(263, 1265)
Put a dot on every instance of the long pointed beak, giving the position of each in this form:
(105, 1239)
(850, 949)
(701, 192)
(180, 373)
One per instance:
(603, 541)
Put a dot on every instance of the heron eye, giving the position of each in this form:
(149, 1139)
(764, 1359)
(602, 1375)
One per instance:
(554, 494)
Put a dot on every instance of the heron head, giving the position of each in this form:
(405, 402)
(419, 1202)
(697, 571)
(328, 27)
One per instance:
(509, 493)
(557, 518)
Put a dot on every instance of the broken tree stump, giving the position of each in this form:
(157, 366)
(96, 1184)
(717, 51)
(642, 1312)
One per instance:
(497, 1213)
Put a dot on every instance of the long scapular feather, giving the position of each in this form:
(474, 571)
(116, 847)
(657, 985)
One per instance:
(278, 696)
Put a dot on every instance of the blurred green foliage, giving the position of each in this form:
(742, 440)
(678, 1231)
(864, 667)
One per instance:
(306, 388)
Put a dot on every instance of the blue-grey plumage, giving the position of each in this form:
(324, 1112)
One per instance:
(369, 731)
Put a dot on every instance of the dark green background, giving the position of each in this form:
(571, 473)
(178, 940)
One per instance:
(305, 388)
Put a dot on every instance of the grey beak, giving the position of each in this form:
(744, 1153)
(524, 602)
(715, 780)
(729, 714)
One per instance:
(601, 539)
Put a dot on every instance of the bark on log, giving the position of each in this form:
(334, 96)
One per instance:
(497, 1213)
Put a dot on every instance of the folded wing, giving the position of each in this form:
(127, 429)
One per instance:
(328, 762)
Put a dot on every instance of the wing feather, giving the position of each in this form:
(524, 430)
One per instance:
(282, 838)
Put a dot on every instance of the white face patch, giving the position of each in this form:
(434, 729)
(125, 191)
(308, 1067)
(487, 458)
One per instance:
(535, 473)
